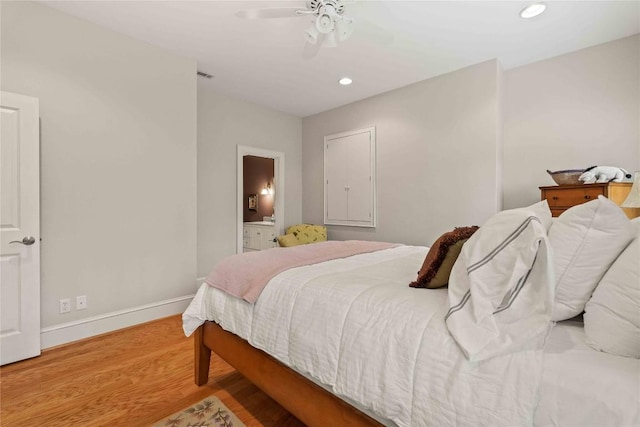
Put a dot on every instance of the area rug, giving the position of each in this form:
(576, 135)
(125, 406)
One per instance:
(209, 412)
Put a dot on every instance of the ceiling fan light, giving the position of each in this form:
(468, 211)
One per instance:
(532, 10)
(330, 40)
(311, 35)
(324, 24)
(344, 29)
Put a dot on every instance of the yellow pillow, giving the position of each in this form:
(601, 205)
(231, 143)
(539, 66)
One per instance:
(288, 240)
(308, 233)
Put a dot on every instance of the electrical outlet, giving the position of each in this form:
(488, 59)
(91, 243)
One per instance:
(81, 302)
(65, 305)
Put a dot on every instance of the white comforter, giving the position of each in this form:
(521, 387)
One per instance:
(365, 335)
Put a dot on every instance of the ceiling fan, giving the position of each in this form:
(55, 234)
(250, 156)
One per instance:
(329, 25)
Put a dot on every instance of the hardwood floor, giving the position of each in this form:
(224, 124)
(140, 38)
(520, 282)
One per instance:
(131, 377)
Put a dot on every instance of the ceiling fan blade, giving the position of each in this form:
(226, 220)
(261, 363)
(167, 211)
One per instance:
(311, 50)
(272, 12)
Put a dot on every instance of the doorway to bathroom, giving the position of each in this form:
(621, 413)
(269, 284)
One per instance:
(260, 190)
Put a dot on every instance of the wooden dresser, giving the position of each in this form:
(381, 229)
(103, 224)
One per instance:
(562, 197)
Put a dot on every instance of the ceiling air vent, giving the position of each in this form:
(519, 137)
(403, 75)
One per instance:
(205, 75)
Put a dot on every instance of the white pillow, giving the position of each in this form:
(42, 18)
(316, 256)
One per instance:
(586, 239)
(612, 315)
(542, 212)
(501, 286)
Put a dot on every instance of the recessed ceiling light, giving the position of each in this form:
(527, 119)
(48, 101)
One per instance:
(532, 10)
(345, 81)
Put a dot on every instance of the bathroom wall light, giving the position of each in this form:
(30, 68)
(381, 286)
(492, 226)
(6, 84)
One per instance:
(267, 190)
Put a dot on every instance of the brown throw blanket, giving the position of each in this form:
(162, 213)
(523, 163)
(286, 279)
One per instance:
(245, 275)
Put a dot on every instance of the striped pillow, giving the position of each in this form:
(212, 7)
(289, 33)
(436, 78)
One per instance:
(501, 286)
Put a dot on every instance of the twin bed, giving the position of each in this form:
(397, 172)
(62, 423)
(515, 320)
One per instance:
(347, 342)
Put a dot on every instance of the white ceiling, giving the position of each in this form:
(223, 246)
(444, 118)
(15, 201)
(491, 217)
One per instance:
(261, 60)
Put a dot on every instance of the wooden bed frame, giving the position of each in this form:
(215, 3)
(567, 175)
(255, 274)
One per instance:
(309, 402)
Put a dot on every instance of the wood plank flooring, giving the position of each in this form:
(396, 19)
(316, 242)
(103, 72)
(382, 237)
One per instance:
(131, 377)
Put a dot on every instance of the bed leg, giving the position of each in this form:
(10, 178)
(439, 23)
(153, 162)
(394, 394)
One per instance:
(202, 357)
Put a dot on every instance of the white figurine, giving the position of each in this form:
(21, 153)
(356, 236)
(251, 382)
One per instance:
(603, 174)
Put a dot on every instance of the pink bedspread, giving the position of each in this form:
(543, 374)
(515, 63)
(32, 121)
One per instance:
(245, 275)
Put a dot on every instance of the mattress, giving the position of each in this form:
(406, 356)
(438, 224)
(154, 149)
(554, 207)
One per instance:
(584, 387)
(572, 375)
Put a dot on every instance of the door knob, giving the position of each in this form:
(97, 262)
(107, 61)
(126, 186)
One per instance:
(29, 240)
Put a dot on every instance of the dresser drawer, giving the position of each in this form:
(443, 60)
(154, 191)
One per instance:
(561, 198)
(571, 196)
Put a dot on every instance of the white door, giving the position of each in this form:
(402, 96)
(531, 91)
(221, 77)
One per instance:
(19, 228)
(349, 172)
(359, 171)
(337, 180)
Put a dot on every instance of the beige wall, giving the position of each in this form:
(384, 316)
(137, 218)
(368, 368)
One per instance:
(437, 155)
(118, 161)
(434, 138)
(118, 136)
(569, 112)
(224, 122)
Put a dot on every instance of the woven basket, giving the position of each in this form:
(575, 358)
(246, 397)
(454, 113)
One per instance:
(567, 176)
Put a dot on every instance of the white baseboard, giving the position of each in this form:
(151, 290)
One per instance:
(84, 328)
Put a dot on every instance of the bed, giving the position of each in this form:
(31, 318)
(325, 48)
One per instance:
(381, 367)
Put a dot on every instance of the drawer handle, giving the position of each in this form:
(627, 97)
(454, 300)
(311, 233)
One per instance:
(555, 197)
(587, 197)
